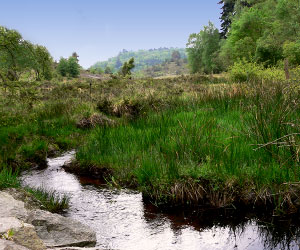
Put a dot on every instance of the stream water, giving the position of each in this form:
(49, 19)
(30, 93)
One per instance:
(123, 221)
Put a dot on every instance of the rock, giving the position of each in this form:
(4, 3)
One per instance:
(9, 245)
(30, 202)
(27, 237)
(58, 231)
(8, 223)
(22, 233)
(11, 207)
(95, 120)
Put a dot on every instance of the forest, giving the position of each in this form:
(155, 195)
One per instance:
(143, 59)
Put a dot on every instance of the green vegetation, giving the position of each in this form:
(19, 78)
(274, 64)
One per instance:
(68, 67)
(18, 57)
(142, 58)
(50, 200)
(8, 178)
(211, 140)
(127, 67)
(264, 32)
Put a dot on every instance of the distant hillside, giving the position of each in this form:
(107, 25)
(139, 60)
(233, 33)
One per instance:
(170, 67)
(142, 58)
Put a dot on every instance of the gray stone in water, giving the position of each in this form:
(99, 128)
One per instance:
(10, 245)
(11, 207)
(58, 231)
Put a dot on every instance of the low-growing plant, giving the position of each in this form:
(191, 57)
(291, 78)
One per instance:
(50, 200)
(8, 178)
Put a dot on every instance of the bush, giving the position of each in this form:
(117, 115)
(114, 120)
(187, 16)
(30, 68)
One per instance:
(243, 71)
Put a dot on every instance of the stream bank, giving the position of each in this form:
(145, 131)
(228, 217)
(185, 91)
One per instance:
(122, 220)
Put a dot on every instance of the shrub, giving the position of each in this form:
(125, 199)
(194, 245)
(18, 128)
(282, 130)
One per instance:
(243, 71)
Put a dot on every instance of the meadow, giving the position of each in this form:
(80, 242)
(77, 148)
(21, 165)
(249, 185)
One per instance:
(193, 140)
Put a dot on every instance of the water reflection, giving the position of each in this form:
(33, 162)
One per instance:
(123, 221)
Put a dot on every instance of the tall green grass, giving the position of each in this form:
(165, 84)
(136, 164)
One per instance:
(8, 178)
(50, 200)
(218, 138)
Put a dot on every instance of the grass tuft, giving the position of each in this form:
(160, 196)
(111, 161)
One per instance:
(50, 200)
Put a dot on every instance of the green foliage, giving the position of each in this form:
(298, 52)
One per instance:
(62, 67)
(50, 200)
(265, 33)
(44, 63)
(291, 51)
(107, 70)
(127, 67)
(202, 49)
(73, 67)
(18, 56)
(96, 71)
(143, 58)
(68, 67)
(243, 71)
(8, 178)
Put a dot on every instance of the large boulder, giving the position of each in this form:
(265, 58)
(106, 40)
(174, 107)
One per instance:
(11, 207)
(58, 231)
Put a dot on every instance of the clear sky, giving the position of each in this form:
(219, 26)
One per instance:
(98, 29)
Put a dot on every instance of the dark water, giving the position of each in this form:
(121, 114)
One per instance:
(123, 221)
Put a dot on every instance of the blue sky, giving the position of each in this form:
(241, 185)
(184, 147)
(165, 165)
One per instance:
(98, 29)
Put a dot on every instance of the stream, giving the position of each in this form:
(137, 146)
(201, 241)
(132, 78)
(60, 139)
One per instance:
(123, 221)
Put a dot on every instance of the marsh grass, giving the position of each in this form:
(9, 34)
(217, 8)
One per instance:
(190, 140)
(8, 178)
(50, 200)
(213, 149)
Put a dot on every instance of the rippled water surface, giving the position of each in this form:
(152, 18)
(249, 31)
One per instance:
(122, 221)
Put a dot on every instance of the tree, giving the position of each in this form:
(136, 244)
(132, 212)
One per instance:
(230, 8)
(44, 62)
(264, 33)
(18, 56)
(74, 54)
(202, 49)
(15, 54)
(226, 16)
(73, 67)
(108, 70)
(62, 67)
(127, 67)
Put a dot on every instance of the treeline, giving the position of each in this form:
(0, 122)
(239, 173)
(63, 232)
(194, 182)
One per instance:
(142, 58)
(265, 32)
(19, 57)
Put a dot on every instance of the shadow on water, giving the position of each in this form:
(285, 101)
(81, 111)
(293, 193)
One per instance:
(123, 221)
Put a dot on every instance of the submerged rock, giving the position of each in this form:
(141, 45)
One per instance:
(58, 231)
